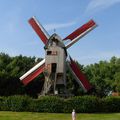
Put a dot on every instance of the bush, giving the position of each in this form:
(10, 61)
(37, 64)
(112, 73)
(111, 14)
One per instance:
(82, 104)
(110, 104)
(1, 102)
(16, 103)
(47, 104)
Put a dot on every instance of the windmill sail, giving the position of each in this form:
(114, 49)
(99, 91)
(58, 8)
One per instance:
(33, 72)
(79, 76)
(80, 32)
(38, 28)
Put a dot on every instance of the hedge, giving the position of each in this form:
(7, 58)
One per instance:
(47, 104)
(110, 104)
(15, 103)
(82, 104)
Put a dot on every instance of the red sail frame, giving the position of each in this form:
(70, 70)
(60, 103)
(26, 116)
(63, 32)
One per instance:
(33, 75)
(39, 30)
(80, 77)
(80, 30)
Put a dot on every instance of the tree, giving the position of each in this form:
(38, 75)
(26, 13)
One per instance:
(104, 76)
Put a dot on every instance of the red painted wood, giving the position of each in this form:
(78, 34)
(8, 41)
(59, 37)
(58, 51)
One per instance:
(80, 75)
(33, 75)
(38, 30)
(80, 30)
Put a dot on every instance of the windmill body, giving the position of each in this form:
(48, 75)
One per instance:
(54, 65)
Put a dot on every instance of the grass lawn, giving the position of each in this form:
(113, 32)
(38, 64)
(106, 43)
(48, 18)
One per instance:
(54, 116)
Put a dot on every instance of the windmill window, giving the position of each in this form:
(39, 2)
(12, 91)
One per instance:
(49, 52)
(60, 75)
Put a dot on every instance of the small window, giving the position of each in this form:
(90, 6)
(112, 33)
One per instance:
(49, 52)
(59, 75)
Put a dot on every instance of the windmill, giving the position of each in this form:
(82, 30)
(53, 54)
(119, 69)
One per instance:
(56, 59)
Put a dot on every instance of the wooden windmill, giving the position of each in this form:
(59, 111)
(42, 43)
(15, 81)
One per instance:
(55, 62)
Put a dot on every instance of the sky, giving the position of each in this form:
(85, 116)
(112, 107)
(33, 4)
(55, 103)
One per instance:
(64, 16)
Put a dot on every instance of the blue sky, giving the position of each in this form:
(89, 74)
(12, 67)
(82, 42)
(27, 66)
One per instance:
(17, 37)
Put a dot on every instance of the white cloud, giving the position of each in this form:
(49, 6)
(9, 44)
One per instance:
(96, 5)
(58, 25)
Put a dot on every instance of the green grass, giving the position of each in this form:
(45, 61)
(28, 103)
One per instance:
(54, 116)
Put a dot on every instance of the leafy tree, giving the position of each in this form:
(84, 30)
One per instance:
(104, 76)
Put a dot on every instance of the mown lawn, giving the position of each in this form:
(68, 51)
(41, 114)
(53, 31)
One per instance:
(54, 116)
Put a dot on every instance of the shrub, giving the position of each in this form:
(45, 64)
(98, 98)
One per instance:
(1, 102)
(47, 104)
(83, 104)
(110, 104)
(16, 103)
